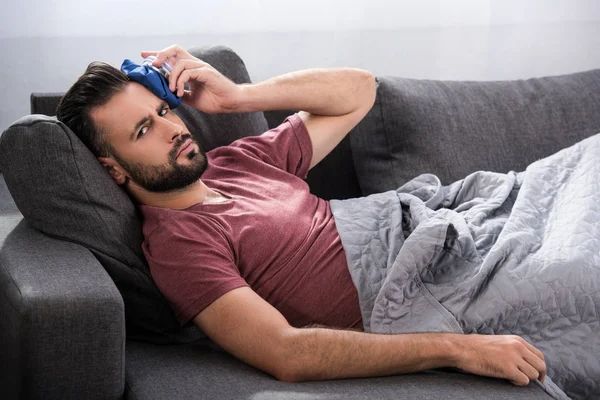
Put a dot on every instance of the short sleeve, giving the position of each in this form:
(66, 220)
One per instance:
(287, 147)
(191, 263)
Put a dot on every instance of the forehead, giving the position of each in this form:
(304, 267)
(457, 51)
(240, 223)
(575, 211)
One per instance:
(118, 117)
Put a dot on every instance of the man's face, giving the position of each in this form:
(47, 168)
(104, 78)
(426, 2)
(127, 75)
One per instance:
(151, 145)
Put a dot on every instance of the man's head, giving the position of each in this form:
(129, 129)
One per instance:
(133, 133)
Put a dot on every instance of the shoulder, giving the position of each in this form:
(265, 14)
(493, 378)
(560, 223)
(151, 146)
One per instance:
(292, 125)
(160, 224)
(287, 147)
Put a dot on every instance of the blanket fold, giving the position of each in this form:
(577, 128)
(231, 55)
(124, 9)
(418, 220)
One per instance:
(515, 253)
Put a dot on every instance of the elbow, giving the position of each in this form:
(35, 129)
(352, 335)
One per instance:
(286, 371)
(291, 371)
(369, 92)
(286, 375)
(372, 90)
(290, 362)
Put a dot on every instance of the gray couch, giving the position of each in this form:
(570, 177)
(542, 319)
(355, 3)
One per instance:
(81, 318)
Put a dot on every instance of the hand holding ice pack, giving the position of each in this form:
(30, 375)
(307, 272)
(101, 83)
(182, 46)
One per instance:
(152, 79)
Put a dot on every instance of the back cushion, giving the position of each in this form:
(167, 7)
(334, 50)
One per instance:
(62, 190)
(451, 129)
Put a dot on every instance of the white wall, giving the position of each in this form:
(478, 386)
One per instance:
(46, 44)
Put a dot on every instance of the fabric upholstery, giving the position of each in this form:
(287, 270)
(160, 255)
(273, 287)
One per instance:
(7, 204)
(63, 332)
(62, 190)
(451, 128)
(204, 371)
(44, 103)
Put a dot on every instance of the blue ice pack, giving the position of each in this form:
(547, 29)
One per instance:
(152, 79)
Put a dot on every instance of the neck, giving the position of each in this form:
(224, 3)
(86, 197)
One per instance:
(195, 193)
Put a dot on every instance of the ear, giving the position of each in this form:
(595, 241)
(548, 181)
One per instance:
(114, 169)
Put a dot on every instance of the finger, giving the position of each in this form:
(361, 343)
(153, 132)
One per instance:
(181, 66)
(172, 55)
(183, 78)
(187, 97)
(200, 74)
(531, 372)
(166, 53)
(149, 53)
(538, 364)
(533, 349)
(176, 70)
(519, 379)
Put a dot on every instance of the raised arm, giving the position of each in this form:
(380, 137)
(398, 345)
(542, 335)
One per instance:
(252, 330)
(331, 101)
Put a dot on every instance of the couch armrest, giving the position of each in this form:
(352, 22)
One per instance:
(63, 324)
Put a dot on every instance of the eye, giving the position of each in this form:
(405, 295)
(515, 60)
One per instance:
(163, 111)
(142, 131)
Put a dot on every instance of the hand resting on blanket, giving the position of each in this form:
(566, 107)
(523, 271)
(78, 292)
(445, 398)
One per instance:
(502, 356)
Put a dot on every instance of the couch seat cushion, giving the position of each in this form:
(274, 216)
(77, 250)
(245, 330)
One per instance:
(203, 371)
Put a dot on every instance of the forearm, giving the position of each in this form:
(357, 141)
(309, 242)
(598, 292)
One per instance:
(320, 354)
(317, 91)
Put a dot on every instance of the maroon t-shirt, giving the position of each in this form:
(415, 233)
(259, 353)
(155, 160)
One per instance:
(272, 235)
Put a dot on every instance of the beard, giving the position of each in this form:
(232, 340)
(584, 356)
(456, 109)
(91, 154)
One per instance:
(170, 176)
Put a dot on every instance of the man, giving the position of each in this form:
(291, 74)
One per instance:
(233, 237)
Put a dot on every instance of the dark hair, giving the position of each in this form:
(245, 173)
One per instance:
(98, 84)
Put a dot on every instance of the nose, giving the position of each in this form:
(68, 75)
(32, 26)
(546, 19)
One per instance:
(172, 130)
(176, 134)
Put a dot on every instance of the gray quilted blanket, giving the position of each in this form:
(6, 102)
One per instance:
(515, 253)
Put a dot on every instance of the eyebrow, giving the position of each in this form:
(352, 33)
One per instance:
(147, 118)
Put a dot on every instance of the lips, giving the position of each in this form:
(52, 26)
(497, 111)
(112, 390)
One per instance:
(185, 145)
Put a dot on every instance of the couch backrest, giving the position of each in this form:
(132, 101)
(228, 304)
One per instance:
(448, 128)
(452, 129)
